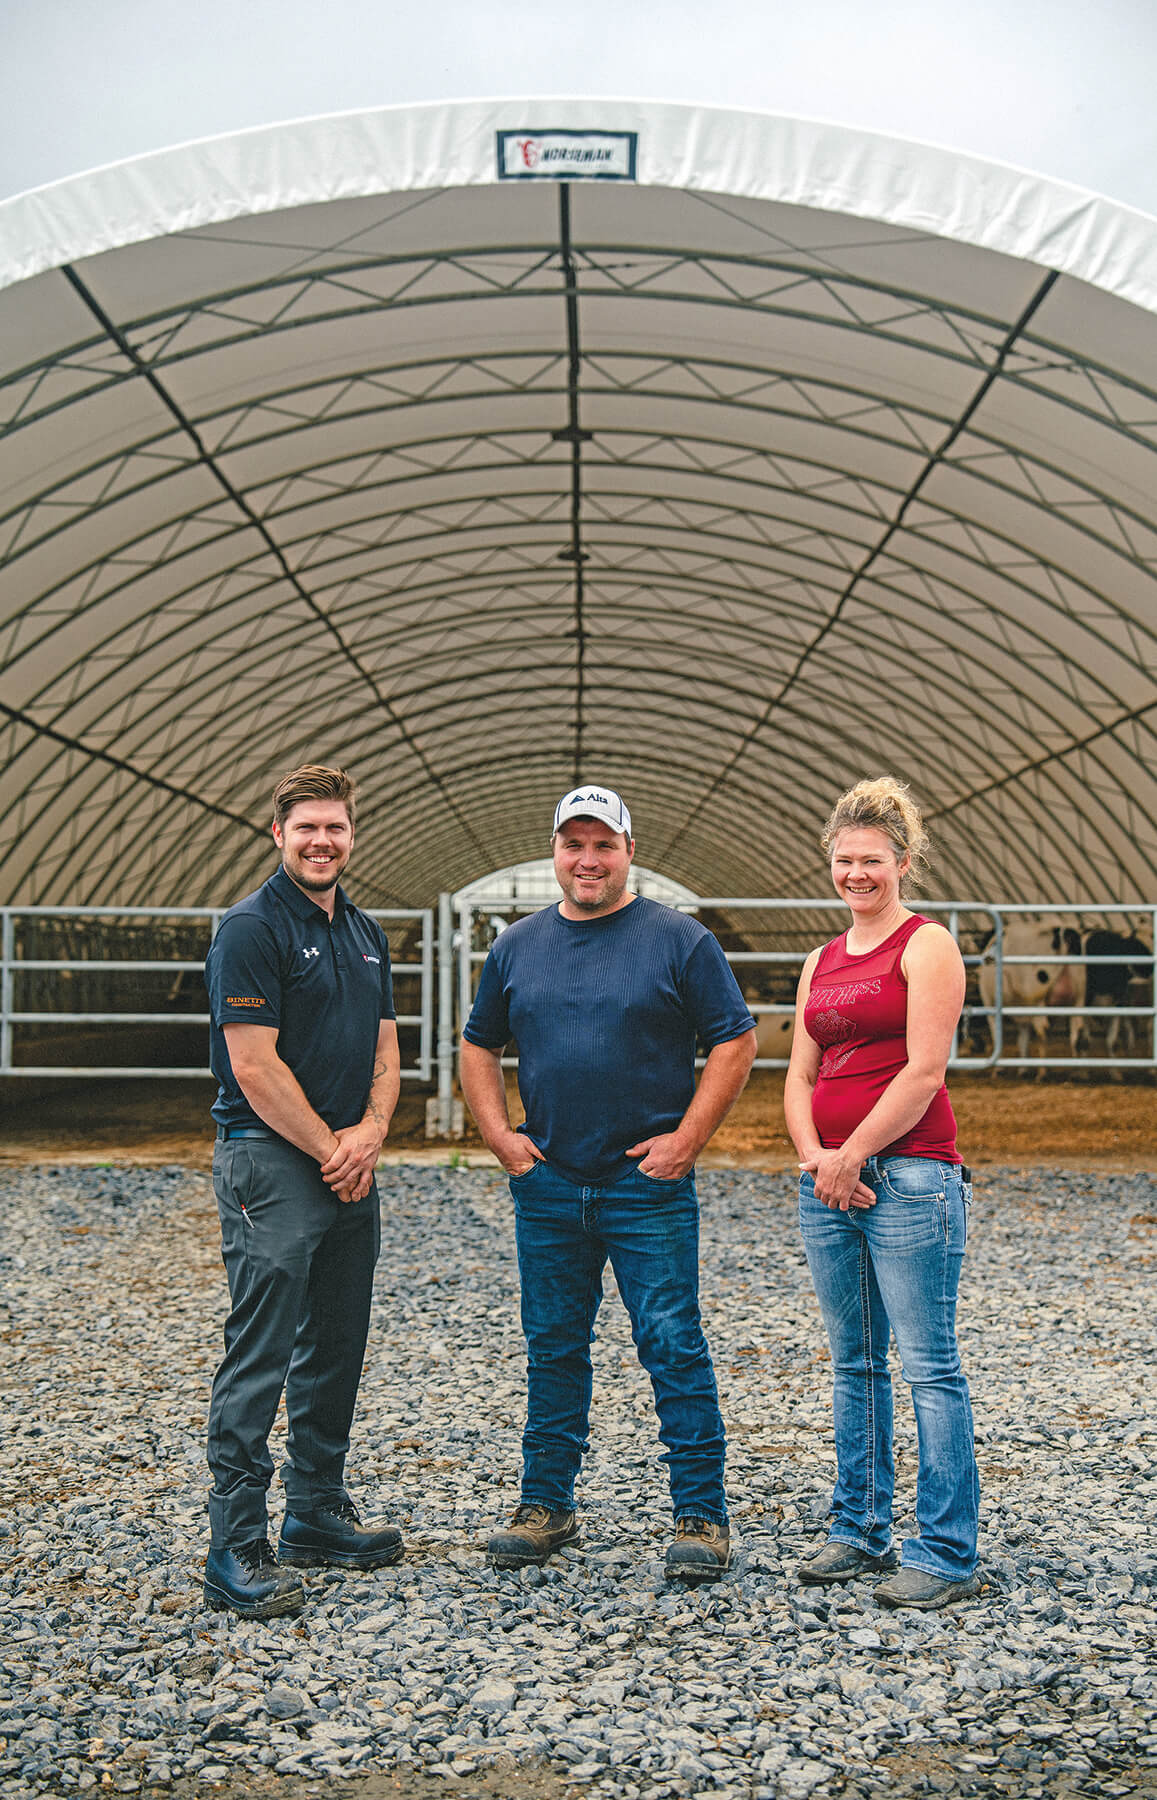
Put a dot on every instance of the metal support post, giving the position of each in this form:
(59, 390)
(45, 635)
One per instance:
(7, 956)
(444, 1116)
(426, 1039)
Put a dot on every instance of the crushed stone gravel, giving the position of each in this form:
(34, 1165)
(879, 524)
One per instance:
(592, 1670)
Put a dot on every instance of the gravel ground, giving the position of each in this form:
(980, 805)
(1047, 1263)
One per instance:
(441, 1676)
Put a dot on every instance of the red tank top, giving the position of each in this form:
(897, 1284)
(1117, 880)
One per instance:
(857, 1012)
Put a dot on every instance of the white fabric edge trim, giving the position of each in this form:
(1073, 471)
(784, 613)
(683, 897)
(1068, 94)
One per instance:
(800, 162)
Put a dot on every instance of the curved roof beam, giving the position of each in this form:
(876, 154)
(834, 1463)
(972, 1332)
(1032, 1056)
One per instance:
(964, 521)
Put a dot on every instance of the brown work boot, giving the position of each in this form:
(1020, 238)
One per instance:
(701, 1550)
(534, 1531)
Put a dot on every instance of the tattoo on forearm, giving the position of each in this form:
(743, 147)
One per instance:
(374, 1111)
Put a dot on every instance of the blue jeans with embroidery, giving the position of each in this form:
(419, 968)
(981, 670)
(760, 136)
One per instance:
(649, 1231)
(896, 1265)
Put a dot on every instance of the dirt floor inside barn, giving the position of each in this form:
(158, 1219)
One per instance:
(1077, 1124)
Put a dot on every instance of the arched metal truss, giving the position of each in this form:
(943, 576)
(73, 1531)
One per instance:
(483, 492)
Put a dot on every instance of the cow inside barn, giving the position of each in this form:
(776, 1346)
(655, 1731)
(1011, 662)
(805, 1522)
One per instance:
(1125, 982)
(1045, 981)
(773, 1035)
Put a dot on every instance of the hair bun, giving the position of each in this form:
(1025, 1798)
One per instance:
(884, 804)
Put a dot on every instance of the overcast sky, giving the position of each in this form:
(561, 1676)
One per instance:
(1064, 87)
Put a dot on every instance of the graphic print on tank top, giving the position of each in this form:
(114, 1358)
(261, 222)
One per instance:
(831, 1029)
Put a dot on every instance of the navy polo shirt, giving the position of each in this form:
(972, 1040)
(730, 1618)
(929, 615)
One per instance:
(324, 986)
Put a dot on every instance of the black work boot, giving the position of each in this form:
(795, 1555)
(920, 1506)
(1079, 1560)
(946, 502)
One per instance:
(335, 1538)
(533, 1532)
(701, 1550)
(246, 1579)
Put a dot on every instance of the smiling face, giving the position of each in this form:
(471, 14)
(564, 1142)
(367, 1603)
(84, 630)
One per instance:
(591, 864)
(315, 843)
(866, 872)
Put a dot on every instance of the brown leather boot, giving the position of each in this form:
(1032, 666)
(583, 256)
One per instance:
(701, 1550)
(534, 1531)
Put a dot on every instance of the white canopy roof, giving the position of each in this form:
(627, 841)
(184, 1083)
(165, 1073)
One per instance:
(797, 456)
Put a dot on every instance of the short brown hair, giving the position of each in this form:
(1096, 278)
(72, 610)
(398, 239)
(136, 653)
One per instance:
(313, 781)
(883, 805)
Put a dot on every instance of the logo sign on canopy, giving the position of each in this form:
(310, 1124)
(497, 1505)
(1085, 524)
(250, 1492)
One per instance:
(567, 155)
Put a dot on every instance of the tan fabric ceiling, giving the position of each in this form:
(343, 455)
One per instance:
(484, 488)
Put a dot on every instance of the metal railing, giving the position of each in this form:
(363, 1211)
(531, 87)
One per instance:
(445, 966)
(968, 920)
(158, 924)
(795, 959)
(1060, 958)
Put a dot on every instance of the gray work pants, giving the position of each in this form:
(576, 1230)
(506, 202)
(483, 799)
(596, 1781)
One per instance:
(300, 1265)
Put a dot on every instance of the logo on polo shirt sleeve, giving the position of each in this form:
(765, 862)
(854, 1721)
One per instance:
(244, 1000)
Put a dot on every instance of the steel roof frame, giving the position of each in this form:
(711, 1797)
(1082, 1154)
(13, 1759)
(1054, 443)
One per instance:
(661, 572)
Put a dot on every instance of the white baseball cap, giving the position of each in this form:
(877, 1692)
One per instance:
(593, 802)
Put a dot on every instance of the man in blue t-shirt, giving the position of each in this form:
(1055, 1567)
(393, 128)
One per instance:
(606, 995)
(305, 1047)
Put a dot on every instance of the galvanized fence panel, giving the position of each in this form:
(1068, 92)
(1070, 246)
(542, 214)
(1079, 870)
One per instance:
(446, 961)
(1062, 957)
(970, 921)
(127, 977)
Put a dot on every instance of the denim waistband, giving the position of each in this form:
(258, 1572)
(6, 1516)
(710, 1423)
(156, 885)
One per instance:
(962, 1169)
(244, 1131)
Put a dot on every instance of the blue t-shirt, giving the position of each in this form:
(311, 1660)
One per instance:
(278, 960)
(606, 1013)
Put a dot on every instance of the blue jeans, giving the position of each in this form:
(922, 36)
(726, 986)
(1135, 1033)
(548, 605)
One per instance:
(897, 1265)
(650, 1232)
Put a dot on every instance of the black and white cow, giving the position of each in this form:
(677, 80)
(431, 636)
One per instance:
(1118, 984)
(1048, 980)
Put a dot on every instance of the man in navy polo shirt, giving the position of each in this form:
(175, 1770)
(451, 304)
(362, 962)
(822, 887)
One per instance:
(606, 995)
(305, 1047)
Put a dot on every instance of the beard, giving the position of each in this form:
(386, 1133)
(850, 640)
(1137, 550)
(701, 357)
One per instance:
(314, 881)
(611, 892)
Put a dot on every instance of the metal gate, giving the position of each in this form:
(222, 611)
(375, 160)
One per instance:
(72, 971)
(76, 969)
(979, 928)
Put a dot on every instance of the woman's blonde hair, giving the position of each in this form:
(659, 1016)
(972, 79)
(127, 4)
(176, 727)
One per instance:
(883, 804)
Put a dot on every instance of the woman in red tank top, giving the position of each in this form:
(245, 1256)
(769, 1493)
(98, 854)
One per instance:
(883, 1203)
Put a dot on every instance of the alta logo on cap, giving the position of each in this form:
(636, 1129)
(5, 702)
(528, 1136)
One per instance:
(599, 803)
